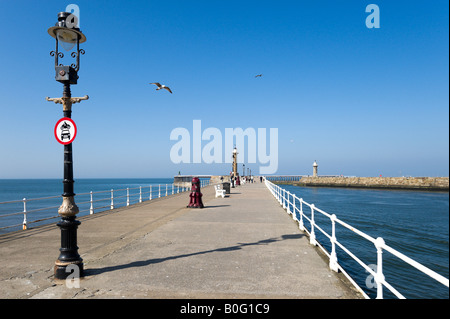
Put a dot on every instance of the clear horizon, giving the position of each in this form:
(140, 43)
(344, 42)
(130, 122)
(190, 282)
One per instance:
(170, 177)
(360, 101)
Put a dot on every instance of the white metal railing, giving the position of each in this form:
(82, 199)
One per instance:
(103, 200)
(284, 198)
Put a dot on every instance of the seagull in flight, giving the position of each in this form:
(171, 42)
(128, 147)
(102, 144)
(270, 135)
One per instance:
(259, 75)
(161, 86)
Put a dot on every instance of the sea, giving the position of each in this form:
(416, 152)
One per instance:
(43, 211)
(415, 223)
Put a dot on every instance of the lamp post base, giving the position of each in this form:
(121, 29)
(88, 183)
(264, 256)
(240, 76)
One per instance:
(69, 262)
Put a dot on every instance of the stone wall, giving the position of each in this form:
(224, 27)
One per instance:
(418, 183)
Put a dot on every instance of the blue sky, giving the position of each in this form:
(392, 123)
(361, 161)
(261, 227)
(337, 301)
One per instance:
(360, 101)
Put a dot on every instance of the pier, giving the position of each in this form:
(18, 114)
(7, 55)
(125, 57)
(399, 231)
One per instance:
(405, 183)
(240, 246)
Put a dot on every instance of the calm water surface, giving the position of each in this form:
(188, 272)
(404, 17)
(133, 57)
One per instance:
(17, 189)
(412, 222)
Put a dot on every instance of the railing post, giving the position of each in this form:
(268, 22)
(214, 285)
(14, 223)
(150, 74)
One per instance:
(277, 194)
(112, 198)
(280, 198)
(91, 209)
(284, 199)
(140, 194)
(379, 278)
(300, 224)
(150, 197)
(24, 224)
(166, 190)
(333, 257)
(173, 189)
(288, 209)
(128, 196)
(312, 237)
(159, 192)
(294, 217)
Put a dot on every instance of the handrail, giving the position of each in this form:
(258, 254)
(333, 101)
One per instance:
(118, 197)
(283, 198)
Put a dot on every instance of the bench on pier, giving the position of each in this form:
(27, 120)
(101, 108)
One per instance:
(219, 191)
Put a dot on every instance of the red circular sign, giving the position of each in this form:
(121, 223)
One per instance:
(65, 130)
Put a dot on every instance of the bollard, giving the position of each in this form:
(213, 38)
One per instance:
(195, 195)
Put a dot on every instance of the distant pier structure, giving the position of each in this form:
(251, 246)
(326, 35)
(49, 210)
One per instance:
(186, 180)
(296, 178)
(285, 178)
(183, 180)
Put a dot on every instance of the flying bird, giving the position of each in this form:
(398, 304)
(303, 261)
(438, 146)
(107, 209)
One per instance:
(159, 87)
(259, 75)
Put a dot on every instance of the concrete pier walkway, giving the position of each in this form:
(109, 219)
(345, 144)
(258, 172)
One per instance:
(241, 246)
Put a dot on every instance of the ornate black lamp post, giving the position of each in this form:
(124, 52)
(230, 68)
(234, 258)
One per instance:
(67, 34)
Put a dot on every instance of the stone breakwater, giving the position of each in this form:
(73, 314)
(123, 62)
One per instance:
(412, 183)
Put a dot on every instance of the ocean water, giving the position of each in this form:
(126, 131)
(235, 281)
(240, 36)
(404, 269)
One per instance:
(412, 222)
(38, 211)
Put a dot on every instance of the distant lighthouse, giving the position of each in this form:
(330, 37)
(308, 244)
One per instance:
(315, 169)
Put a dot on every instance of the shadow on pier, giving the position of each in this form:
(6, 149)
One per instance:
(142, 263)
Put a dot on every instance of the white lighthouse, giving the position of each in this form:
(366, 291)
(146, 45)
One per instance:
(315, 169)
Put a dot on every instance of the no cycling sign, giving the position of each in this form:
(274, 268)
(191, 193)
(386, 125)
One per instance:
(65, 130)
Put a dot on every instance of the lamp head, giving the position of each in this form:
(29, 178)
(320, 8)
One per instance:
(66, 31)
